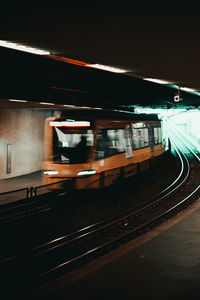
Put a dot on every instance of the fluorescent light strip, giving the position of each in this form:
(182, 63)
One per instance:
(85, 107)
(106, 68)
(98, 108)
(24, 48)
(17, 100)
(173, 85)
(157, 80)
(46, 103)
(67, 105)
(187, 89)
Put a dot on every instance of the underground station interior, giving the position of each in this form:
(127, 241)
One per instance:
(159, 260)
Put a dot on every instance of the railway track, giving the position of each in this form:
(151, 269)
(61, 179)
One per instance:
(23, 203)
(59, 256)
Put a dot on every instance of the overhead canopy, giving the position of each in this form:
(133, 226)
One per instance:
(43, 78)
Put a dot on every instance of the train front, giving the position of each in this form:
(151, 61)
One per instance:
(69, 147)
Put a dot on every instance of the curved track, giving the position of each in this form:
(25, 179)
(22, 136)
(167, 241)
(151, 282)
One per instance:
(63, 254)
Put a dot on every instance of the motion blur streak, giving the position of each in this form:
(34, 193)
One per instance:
(69, 60)
(69, 90)
(23, 48)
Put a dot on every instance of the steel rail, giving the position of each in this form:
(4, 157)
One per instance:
(34, 200)
(102, 226)
(119, 220)
(99, 227)
(122, 237)
(93, 228)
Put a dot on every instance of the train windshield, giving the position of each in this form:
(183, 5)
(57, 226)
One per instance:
(72, 146)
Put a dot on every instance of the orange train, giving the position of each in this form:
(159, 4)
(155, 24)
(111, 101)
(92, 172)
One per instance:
(84, 144)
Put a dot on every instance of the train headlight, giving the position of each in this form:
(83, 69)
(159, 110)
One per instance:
(50, 172)
(86, 172)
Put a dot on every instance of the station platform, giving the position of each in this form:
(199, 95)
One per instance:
(163, 264)
(20, 182)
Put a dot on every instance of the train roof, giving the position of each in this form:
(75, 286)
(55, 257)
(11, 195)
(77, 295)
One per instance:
(106, 115)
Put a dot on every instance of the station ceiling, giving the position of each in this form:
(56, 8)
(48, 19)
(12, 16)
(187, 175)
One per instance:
(146, 39)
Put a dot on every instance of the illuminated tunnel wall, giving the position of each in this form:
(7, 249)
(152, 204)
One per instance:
(188, 123)
(21, 141)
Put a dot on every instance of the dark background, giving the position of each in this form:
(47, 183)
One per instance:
(156, 39)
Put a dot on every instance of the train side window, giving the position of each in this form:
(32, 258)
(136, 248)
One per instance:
(145, 137)
(109, 142)
(157, 135)
(127, 142)
(140, 138)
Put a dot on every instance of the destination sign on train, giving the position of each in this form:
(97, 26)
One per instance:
(70, 124)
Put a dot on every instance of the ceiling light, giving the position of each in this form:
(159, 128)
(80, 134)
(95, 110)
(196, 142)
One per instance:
(17, 100)
(187, 89)
(106, 68)
(23, 48)
(157, 80)
(46, 103)
(68, 105)
(190, 90)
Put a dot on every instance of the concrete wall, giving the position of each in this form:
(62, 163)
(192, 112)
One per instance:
(24, 130)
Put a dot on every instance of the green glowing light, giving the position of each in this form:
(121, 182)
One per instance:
(187, 123)
(162, 113)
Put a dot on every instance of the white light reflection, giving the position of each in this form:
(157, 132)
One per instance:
(50, 172)
(86, 172)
